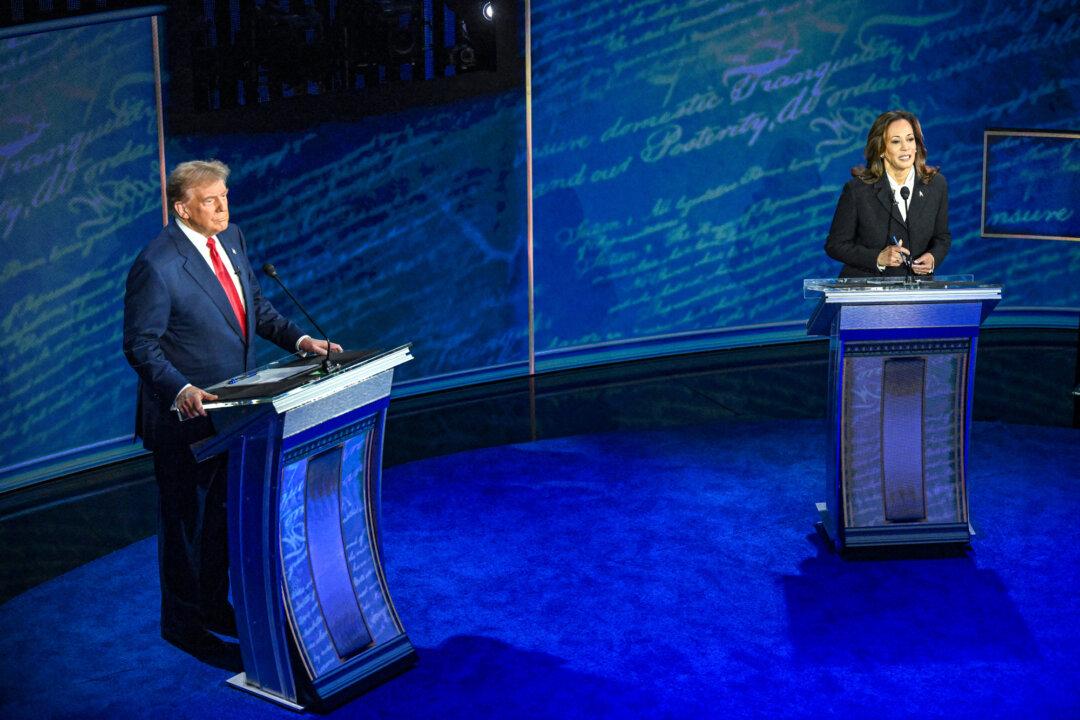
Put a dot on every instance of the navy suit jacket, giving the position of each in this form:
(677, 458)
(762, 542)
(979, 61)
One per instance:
(866, 216)
(179, 328)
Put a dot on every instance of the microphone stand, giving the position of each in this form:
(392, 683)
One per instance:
(905, 193)
(910, 273)
(327, 365)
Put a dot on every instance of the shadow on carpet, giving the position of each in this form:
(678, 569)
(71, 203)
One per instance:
(652, 574)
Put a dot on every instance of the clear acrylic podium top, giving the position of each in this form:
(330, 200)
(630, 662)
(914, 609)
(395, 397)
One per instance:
(898, 289)
(300, 378)
(297, 389)
(832, 294)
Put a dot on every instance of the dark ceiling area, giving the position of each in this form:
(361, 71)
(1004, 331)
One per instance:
(233, 66)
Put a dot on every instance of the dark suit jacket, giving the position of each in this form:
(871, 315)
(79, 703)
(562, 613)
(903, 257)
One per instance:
(861, 225)
(179, 328)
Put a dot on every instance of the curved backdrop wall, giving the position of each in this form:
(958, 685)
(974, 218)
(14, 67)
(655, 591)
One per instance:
(80, 193)
(400, 228)
(687, 160)
(689, 156)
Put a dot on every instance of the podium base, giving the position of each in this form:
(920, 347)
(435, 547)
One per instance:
(239, 681)
(957, 534)
(822, 526)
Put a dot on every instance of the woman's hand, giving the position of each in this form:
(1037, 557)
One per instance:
(893, 255)
(924, 264)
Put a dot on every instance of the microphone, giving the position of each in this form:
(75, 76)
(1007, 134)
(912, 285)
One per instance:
(905, 193)
(327, 366)
(893, 239)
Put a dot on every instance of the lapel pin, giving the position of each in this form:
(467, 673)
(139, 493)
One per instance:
(234, 249)
(920, 195)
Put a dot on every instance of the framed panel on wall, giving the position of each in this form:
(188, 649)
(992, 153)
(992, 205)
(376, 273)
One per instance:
(1031, 184)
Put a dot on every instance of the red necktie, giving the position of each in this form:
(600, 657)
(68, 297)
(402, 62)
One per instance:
(228, 286)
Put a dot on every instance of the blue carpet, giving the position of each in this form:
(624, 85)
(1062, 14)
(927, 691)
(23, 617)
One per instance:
(647, 574)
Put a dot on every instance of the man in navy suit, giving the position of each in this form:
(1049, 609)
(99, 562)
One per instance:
(191, 309)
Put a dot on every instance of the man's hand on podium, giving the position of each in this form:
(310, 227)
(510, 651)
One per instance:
(189, 401)
(317, 347)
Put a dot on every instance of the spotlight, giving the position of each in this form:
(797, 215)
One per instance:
(474, 23)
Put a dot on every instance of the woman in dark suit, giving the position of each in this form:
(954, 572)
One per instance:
(872, 232)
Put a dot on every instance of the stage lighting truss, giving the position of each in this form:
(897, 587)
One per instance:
(244, 54)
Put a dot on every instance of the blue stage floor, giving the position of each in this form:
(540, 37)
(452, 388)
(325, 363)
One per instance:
(669, 573)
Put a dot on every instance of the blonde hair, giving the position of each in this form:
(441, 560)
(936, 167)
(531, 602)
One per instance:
(190, 174)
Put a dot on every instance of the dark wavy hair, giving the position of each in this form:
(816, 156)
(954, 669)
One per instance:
(874, 169)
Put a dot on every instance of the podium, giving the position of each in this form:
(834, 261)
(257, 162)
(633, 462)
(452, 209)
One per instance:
(901, 385)
(315, 621)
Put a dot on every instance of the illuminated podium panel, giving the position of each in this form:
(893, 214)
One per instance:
(315, 620)
(901, 384)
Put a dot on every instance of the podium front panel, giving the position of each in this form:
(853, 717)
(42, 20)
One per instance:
(338, 606)
(903, 425)
(901, 384)
(316, 624)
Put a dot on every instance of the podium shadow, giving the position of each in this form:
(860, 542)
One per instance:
(901, 606)
(470, 676)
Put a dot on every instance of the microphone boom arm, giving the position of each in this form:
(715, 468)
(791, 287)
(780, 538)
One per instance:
(327, 365)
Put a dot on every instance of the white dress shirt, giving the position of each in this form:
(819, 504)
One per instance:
(199, 241)
(909, 183)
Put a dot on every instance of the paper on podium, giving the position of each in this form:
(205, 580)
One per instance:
(269, 375)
